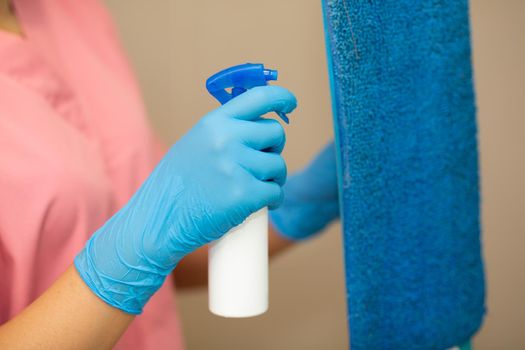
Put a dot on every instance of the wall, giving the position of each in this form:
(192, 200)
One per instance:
(176, 45)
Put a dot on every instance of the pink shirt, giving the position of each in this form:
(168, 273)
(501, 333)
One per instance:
(74, 146)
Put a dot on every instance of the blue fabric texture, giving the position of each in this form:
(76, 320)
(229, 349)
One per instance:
(404, 112)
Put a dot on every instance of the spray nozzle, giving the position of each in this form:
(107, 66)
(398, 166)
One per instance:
(239, 79)
(270, 74)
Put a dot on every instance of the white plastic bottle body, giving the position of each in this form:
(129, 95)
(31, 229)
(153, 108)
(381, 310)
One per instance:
(238, 269)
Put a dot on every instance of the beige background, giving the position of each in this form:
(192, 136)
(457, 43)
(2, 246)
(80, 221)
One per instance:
(175, 45)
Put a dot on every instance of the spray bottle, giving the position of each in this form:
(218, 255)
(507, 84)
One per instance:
(238, 262)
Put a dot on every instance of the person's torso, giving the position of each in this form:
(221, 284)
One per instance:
(74, 146)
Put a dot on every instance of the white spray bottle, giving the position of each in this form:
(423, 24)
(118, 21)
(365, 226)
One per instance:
(238, 262)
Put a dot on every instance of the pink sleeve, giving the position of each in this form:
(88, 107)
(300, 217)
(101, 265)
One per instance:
(53, 195)
(74, 146)
(159, 148)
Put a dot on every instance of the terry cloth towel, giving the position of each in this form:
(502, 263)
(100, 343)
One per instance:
(404, 115)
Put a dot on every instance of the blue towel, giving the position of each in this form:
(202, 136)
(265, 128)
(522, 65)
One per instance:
(405, 123)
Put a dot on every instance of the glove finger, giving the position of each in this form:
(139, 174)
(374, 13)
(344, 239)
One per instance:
(258, 101)
(270, 194)
(264, 135)
(265, 166)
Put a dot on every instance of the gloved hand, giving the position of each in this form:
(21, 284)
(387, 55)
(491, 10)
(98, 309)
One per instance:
(225, 168)
(310, 198)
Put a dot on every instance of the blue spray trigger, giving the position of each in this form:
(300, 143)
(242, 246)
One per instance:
(284, 117)
(240, 78)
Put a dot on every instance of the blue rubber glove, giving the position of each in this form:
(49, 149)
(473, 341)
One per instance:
(310, 198)
(225, 168)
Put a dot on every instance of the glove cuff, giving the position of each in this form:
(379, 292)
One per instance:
(125, 286)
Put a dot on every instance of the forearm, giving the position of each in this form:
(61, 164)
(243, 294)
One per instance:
(192, 271)
(67, 316)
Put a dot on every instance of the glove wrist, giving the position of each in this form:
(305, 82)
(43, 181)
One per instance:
(127, 296)
(122, 277)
